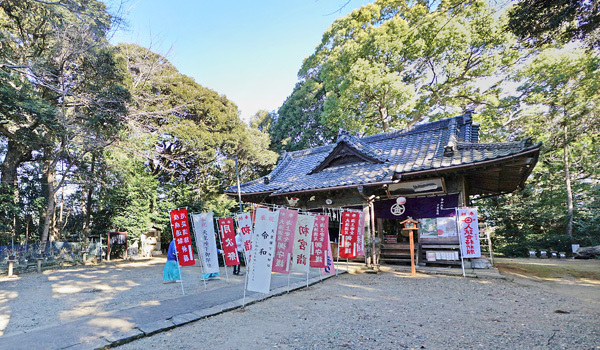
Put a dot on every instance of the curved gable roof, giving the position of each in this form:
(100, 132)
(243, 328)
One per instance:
(425, 148)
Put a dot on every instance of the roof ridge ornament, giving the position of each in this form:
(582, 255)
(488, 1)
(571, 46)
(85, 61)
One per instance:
(452, 139)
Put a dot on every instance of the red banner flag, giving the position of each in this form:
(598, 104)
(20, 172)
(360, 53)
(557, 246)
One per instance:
(320, 240)
(227, 234)
(181, 235)
(348, 234)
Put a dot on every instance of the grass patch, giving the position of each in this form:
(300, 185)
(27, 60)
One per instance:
(550, 268)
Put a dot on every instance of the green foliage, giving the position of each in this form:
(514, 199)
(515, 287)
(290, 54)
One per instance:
(130, 205)
(557, 105)
(128, 134)
(187, 131)
(539, 22)
(298, 122)
(394, 63)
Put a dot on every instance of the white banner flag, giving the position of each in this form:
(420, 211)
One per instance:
(263, 248)
(468, 232)
(204, 230)
(302, 243)
(244, 222)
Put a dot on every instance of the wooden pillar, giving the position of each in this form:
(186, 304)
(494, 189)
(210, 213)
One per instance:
(412, 253)
(379, 225)
(39, 265)
(410, 225)
(463, 200)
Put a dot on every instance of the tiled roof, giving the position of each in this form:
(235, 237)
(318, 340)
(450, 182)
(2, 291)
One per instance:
(425, 147)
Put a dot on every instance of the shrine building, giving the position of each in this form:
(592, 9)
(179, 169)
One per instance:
(423, 172)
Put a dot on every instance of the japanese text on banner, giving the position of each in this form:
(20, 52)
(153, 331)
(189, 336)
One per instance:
(468, 232)
(302, 243)
(263, 247)
(228, 244)
(286, 227)
(181, 235)
(318, 256)
(204, 230)
(330, 268)
(360, 241)
(348, 235)
(244, 221)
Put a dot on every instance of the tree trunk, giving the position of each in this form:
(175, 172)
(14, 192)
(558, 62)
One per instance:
(88, 203)
(50, 192)
(568, 183)
(16, 154)
(385, 125)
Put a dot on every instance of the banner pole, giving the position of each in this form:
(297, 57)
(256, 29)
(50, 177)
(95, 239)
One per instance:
(245, 260)
(222, 251)
(462, 259)
(245, 280)
(307, 272)
(237, 172)
(178, 266)
(338, 248)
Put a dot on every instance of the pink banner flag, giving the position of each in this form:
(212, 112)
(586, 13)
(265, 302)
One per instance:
(286, 226)
(330, 269)
(360, 244)
(228, 244)
(302, 243)
(245, 227)
(318, 256)
(348, 234)
(181, 234)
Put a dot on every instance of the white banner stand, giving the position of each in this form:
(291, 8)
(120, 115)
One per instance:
(198, 249)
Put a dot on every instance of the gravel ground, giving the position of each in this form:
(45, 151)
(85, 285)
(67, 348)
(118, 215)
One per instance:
(393, 310)
(390, 310)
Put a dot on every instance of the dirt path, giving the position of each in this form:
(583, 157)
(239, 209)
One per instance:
(394, 310)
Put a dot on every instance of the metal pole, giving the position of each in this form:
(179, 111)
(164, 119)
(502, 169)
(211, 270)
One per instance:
(178, 267)
(338, 248)
(462, 260)
(237, 172)
(223, 252)
(307, 272)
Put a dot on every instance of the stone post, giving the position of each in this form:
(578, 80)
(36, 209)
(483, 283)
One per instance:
(10, 267)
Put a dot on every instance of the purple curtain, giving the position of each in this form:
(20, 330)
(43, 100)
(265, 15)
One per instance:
(417, 208)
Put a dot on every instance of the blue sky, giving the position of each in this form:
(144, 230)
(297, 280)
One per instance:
(249, 51)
